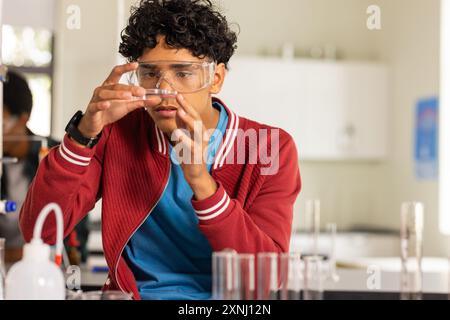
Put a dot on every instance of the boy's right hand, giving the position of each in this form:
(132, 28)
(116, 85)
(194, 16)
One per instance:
(112, 101)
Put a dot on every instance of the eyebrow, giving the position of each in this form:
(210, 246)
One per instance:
(181, 65)
(148, 66)
(174, 65)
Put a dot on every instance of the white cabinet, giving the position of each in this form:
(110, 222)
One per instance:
(334, 110)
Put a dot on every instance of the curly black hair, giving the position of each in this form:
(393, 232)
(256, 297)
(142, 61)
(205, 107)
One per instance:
(186, 24)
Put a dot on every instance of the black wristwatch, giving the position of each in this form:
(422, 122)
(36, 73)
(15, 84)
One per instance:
(75, 134)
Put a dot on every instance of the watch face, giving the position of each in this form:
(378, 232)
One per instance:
(72, 130)
(77, 117)
(74, 121)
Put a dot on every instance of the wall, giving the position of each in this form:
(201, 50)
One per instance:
(84, 57)
(361, 193)
(344, 188)
(409, 43)
(267, 24)
(23, 13)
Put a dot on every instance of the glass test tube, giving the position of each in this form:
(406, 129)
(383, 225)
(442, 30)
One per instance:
(411, 232)
(268, 276)
(313, 225)
(225, 275)
(291, 276)
(332, 231)
(247, 276)
(313, 278)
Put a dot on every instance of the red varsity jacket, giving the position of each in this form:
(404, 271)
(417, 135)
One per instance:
(129, 168)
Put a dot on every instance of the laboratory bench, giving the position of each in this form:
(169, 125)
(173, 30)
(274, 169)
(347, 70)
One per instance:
(92, 280)
(359, 255)
(356, 281)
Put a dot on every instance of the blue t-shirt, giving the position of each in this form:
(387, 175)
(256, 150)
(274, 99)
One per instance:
(168, 255)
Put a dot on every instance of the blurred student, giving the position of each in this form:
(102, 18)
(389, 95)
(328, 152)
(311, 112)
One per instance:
(16, 178)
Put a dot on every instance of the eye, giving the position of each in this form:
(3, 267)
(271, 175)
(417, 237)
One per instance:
(150, 74)
(183, 74)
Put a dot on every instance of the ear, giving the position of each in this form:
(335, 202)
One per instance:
(219, 77)
(24, 117)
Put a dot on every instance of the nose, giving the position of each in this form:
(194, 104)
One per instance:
(164, 83)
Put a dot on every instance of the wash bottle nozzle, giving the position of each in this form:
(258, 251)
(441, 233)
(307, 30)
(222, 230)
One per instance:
(7, 206)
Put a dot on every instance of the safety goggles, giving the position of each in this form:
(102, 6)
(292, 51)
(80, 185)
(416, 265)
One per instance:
(168, 77)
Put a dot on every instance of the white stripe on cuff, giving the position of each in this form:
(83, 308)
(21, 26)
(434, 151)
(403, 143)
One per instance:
(76, 156)
(217, 205)
(83, 164)
(217, 213)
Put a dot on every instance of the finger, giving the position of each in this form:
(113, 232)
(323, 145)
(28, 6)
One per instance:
(98, 106)
(133, 105)
(193, 119)
(114, 95)
(195, 126)
(118, 71)
(152, 101)
(180, 136)
(117, 106)
(196, 149)
(187, 107)
(135, 90)
(186, 119)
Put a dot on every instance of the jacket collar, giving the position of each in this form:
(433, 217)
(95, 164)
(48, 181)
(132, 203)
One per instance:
(161, 144)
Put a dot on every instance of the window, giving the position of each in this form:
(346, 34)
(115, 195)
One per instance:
(30, 52)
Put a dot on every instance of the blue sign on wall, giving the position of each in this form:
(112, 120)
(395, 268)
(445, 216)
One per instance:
(426, 139)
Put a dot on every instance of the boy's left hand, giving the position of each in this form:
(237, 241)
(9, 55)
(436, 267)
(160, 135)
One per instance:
(196, 170)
